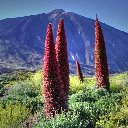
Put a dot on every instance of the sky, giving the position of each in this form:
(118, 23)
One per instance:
(111, 12)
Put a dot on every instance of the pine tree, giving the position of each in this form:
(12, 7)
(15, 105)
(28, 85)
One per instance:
(62, 59)
(79, 72)
(101, 66)
(51, 81)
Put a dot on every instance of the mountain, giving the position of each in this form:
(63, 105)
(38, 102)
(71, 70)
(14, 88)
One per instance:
(22, 42)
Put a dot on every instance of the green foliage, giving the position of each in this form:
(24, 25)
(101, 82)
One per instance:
(13, 115)
(118, 82)
(36, 79)
(93, 107)
(23, 88)
(88, 105)
(117, 116)
(2, 90)
(115, 119)
(94, 104)
(76, 85)
(18, 89)
(64, 120)
(90, 95)
(25, 94)
(11, 78)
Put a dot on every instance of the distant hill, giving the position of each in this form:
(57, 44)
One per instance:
(22, 42)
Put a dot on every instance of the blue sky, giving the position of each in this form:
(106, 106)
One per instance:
(111, 12)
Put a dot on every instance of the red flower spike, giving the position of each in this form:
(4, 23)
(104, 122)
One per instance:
(79, 72)
(101, 66)
(62, 59)
(51, 80)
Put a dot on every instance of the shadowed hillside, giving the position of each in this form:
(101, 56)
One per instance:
(22, 42)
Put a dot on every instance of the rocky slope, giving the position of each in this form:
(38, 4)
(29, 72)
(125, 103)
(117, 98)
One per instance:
(22, 42)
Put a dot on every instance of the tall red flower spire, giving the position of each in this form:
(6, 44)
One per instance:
(101, 66)
(51, 81)
(62, 59)
(79, 72)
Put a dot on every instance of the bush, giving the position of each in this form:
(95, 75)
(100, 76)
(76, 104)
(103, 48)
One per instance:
(88, 106)
(2, 90)
(117, 117)
(25, 94)
(36, 79)
(64, 120)
(13, 115)
(23, 89)
(89, 95)
(76, 85)
(92, 104)
(118, 82)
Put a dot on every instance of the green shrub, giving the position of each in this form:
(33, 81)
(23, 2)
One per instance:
(23, 89)
(25, 94)
(76, 85)
(2, 90)
(68, 120)
(118, 82)
(93, 103)
(13, 115)
(9, 79)
(89, 95)
(117, 117)
(36, 79)
(88, 106)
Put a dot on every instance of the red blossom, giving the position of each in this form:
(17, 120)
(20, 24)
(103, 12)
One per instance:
(51, 80)
(79, 72)
(62, 59)
(101, 66)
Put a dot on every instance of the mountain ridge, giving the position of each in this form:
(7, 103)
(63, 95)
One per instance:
(22, 41)
(60, 11)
